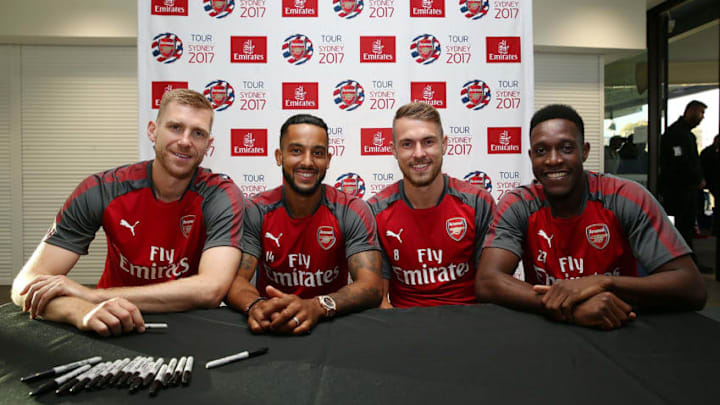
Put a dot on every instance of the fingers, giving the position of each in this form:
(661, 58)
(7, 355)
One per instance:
(42, 296)
(541, 289)
(286, 314)
(114, 317)
(273, 292)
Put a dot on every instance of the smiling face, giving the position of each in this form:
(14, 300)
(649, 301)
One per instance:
(557, 155)
(418, 146)
(304, 157)
(181, 137)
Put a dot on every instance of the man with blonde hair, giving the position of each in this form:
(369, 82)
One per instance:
(173, 232)
(431, 226)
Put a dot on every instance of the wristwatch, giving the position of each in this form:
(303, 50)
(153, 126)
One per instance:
(328, 304)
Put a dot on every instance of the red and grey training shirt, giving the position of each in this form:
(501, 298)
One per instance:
(621, 224)
(149, 241)
(430, 255)
(306, 256)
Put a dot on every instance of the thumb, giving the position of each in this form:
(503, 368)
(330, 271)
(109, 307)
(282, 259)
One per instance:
(273, 292)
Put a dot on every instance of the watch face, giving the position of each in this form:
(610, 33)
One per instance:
(328, 302)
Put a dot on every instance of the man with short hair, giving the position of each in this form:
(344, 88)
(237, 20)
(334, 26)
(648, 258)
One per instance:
(304, 238)
(431, 226)
(173, 232)
(580, 236)
(681, 174)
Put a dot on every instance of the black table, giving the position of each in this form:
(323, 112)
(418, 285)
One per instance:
(445, 355)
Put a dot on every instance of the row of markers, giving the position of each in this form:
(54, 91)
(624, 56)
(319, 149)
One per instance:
(135, 374)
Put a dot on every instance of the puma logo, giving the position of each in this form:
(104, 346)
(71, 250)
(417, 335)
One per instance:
(394, 235)
(128, 226)
(271, 236)
(547, 238)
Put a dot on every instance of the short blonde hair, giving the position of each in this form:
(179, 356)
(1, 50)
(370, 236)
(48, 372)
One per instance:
(418, 111)
(185, 97)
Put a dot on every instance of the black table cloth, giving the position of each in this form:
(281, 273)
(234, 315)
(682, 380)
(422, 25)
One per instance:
(443, 355)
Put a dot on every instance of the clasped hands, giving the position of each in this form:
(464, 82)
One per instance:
(113, 316)
(585, 301)
(284, 313)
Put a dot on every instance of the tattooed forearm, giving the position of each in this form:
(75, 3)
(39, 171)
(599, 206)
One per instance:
(366, 289)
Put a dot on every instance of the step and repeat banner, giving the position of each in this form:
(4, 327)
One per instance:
(352, 63)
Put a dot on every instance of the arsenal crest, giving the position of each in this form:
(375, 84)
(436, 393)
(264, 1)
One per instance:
(326, 237)
(349, 95)
(425, 49)
(598, 235)
(186, 224)
(351, 183)
(475, 94)
(456, 228)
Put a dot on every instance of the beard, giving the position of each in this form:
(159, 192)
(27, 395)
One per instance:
(291, 182)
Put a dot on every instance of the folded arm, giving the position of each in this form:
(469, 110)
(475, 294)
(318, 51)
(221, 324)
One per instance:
(43, 289)
(206, 289)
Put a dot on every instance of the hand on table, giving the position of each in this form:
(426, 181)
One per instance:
(112, 317)
(562, 297)
(43, 289)
(284, 313)
(604, 311)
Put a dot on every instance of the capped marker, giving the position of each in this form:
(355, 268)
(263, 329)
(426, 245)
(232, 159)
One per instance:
(88, 376)
(113, 371)
(155, 371)
(187, 373)
(51, 385)
(136, 372)
(158, 381)
(96, 380)
(235, 357)
(147, 369)
(177, 375)
(67, 386)
(129, 366)
(169, 372)
(156, 325)
(127, 371)
(61, 369)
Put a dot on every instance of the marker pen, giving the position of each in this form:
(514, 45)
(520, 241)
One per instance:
(235, 357)
(113, 372)
(187, 373)
(131, 376)
(51, 385)
(61, 369)
(96, 380)
(158, 381)
(84, 381)
(129, 367)
(177, 375)
(147, 373)
(170, 370)
(65, 388)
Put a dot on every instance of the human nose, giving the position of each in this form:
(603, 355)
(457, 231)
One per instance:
(553, 157)
(307, 158)
(185, 138)
(418, 150)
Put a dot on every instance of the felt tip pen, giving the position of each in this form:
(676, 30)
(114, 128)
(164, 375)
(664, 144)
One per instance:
(96, 380)
(177, 375)
(187, 373)
(158, 381)
(68, 385)
(156, 325)
(131, 376)
(169, 372)
(235, 357)
(61, 369)
(123, 372)
(147, 371)
(113, 372)
(51, 385)
(85, 378)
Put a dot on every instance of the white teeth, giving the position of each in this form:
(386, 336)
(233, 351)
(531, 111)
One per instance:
(420, 166)
(555, 175)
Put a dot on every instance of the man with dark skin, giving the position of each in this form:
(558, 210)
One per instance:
(305, 238)
(581, 236)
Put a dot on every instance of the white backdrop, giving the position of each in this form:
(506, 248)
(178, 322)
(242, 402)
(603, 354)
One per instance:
(352, 63)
